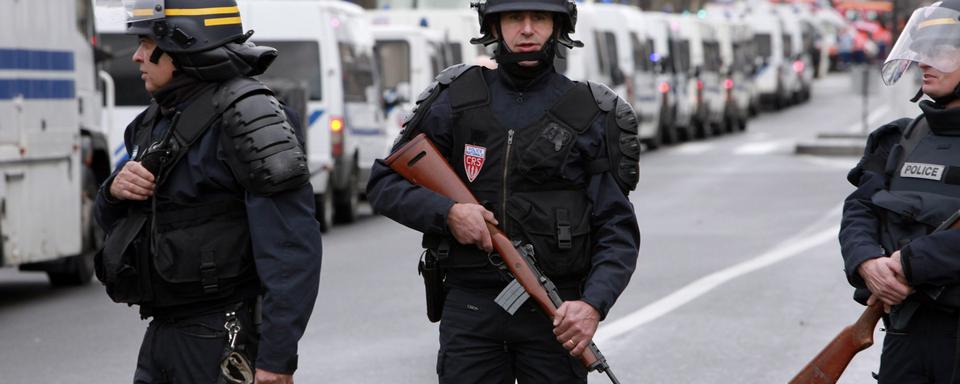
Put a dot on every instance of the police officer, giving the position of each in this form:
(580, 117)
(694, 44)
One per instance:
(211, 227)
(552, 160)
(907, 185)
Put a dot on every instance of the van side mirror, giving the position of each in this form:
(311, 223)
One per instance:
(617, 76)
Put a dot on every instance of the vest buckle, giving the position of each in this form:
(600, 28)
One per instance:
(564, 236)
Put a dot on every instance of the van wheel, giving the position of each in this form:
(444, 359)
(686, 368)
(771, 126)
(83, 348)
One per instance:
(346, 201)
(324, 210)
(78, 270)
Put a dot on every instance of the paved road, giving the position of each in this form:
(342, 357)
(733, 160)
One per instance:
(739, 279)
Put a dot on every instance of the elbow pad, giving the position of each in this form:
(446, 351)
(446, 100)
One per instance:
(261, 146)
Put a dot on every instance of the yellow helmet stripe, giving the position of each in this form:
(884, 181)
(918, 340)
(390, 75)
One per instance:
(202, 11)
(140, 12)
(941, 21)
(221, 21)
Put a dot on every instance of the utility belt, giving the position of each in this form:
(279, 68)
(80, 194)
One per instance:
(445, 263)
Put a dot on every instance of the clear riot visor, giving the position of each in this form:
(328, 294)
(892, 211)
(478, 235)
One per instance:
(931, 37)
(141, 10)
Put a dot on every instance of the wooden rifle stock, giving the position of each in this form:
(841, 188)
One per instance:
(421, 163)
(830, 363)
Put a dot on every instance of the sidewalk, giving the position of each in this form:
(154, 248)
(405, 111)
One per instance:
(884, 104)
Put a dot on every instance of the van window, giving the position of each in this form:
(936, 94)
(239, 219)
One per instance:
(357, 68)
(764, 48)
(682, 55)
(641, 53)
(607, 56)
(120, 66)
(393, 59)
(84, 12)
(456, 54)
(299, 62)
(711, 56)
(787, 46)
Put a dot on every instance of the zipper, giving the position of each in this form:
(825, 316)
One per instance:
(503, 183)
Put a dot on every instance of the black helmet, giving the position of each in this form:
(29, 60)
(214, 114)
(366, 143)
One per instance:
(566, 10)
(185, 26)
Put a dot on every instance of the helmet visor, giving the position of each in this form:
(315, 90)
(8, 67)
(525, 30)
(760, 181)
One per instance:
(143, 10)
(931, 37)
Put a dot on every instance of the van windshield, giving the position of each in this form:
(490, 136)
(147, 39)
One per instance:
(297, 62)
(393, 58)
(125, 73)
(358, 70)
(763, 45)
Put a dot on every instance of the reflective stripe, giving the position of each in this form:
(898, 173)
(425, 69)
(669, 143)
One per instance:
(141, 12)
(221, 21)
(202, 11)
(941, 21)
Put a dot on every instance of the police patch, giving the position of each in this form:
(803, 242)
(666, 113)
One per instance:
(922, 171)
(473, 157)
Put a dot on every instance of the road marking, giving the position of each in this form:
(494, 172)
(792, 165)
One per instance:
(693, 148)
(845, 163)
(760, 148)
(872, 119)
(705, 284)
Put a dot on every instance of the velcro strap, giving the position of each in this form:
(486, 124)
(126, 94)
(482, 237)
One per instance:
(208, 271)
(468, 90)
(564, 236)
(167, 215)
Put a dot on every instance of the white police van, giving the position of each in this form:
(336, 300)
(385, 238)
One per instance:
(697, 47)
(773, 48)
(326, 51)
(408, 59)
(457, 25)
(657, 27)
(49, 136)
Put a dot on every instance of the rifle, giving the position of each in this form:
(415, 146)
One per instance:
(830, 363)
(421, 163)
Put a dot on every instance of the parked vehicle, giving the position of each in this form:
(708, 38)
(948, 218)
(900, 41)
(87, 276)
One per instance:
(326, 52)
(408, 58)
(52, 150)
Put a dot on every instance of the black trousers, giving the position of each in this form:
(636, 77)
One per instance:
(482, 343)
(186, 350)
(924, 352)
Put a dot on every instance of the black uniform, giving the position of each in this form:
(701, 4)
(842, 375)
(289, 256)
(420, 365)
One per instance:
(213, 241)
(907, 185)
(537, 157)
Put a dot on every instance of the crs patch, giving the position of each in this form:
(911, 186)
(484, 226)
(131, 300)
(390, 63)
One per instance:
(922, 171)
(473, 157)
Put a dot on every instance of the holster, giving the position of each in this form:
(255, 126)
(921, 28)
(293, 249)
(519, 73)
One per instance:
(433, 275)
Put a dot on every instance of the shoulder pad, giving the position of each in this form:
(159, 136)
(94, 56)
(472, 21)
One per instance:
(626, 117)
(623, 145)
(450, 74)
(891, 131)
(261, 146)
(604, 96)
(235, 89)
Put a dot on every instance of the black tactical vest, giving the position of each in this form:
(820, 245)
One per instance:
(924, 185)
(515, 172)
(168, 254)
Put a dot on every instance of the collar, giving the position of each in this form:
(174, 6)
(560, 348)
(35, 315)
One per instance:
(180, 89)
(942, 121)
(525, 79)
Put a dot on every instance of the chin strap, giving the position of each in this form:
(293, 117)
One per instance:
(948, 98)
(157, 53)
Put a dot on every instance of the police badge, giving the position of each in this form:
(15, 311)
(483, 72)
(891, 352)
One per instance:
(473, 157)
